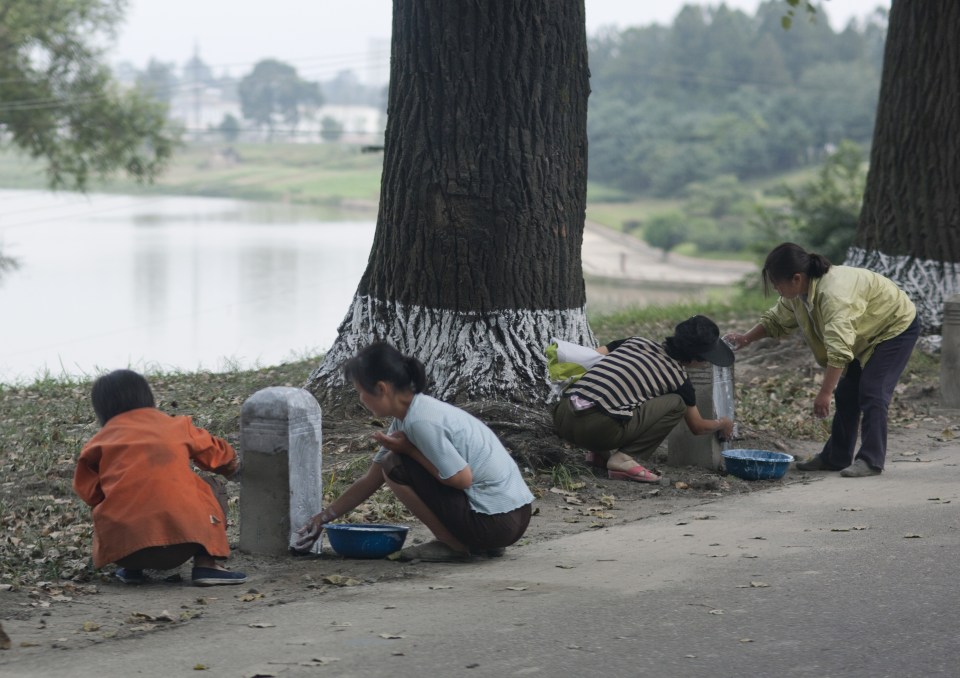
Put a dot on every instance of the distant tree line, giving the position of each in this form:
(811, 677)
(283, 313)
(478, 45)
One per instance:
(720, 92)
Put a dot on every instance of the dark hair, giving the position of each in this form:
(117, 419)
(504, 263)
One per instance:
(698, 339)
(787, 259)
(118, 392)
(382, 362)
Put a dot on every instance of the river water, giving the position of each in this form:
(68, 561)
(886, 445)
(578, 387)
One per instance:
(170, 283)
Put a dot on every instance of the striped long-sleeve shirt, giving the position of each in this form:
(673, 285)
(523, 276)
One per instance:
(638, 370)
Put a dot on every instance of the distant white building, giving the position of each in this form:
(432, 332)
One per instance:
(201, 107)
(360, 124)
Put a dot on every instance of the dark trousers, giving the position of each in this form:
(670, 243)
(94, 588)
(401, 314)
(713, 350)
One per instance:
(862, 398)
(477, 531)
(640, 435)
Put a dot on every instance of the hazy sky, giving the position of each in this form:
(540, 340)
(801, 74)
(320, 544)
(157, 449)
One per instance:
(323, 37)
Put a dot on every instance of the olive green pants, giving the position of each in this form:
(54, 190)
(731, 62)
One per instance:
(638, 436)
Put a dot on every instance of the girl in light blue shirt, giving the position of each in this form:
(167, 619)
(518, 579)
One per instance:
(445, 465)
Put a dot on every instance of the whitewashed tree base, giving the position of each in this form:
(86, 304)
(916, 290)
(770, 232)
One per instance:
(928, 283)
(468, 356)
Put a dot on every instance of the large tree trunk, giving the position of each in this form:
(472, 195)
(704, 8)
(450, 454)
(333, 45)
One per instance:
(909, 226)
(476, 258)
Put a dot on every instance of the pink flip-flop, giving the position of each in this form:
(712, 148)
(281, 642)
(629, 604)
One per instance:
(638, 474)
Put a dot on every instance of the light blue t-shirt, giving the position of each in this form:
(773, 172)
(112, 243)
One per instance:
(453, 439)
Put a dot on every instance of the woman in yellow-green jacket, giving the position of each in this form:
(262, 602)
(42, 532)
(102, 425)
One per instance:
(862, 328)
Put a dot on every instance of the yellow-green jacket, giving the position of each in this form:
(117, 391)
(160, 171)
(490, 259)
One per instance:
(844, 316)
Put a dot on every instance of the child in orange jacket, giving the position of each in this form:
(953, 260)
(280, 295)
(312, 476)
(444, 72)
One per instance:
(150, 509)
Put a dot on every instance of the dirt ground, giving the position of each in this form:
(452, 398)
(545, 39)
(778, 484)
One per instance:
(570, 499)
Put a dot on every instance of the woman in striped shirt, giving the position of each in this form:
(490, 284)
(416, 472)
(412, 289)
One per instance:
(625, 405)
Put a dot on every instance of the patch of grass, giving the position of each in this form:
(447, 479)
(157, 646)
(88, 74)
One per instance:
(565, 476)
(314, 174)
(615, 214)
(657, 322)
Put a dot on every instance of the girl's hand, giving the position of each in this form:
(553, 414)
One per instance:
(821, 405)
(726, 428)
(309, 533)
(396, 442)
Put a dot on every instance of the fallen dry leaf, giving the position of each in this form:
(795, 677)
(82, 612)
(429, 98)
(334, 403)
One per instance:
(602, 515)
(680, 485)
(340, 580)
(143, 627)
(139, 617)
(247, 597)
(91, 626)
(320, 661)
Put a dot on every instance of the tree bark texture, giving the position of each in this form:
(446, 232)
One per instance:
(476, 262)
(909, 226)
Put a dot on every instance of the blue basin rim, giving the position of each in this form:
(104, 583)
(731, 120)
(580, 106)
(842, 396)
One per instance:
(758, 455)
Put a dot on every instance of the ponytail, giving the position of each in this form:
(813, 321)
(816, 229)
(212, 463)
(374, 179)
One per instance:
(788, 259)
(818, 266)
(382, 362)
(417, 374)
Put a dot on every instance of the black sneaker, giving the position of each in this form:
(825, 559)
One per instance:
(128, 576)
(211, 576)
(814, 464)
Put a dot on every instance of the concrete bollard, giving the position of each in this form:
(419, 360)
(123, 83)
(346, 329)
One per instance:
(281, 485)
(950, 353)
(714, 387)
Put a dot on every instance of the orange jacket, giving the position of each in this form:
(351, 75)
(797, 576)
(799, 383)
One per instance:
(136, 474)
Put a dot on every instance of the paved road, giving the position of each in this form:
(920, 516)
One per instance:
(612, 255)
(833, 577)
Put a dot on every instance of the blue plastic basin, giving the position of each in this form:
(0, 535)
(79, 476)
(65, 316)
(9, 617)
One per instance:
(360, 540)
(756, 464)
